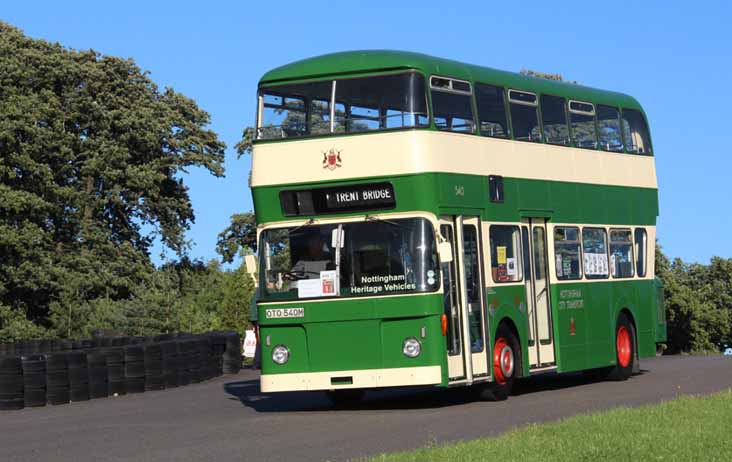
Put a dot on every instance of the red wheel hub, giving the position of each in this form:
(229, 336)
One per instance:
(624, 346)
(503, 362)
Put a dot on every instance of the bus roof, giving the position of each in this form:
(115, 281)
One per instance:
(354, 62)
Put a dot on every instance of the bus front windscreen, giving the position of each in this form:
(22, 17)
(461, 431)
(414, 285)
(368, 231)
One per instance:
(357, 104)
(373, 257)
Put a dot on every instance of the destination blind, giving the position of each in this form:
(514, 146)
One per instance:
(369, 196)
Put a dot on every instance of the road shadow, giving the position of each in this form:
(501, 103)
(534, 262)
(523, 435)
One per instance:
(406, 398)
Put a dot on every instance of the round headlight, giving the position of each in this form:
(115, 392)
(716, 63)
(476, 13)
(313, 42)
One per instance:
(411, 347)
(280, 354)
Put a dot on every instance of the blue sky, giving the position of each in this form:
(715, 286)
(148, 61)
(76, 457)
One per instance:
(674, 57)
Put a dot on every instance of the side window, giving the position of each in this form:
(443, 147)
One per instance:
(554, 117)
(451, 105)
(524, 116)
(635, 131)
(641, 244)
(621, 253)
(582, 120)
(608, 128)
(567, 253)
(505, 243)
(594, 244)
(491, 110)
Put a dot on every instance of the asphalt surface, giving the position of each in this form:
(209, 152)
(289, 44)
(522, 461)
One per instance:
(228, 419)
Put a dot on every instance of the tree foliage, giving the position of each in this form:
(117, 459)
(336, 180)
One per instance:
(91, 156)
(698, 303)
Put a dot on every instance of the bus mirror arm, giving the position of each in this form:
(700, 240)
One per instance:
(444, 250)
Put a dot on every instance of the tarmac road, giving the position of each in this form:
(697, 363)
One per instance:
(228, 419)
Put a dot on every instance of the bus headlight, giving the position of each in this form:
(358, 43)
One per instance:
(280, 354)
(411, 347)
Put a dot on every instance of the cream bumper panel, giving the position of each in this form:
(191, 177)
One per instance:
(370, 378)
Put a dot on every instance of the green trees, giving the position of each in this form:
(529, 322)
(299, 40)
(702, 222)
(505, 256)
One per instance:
(91, 156)
(698, 303)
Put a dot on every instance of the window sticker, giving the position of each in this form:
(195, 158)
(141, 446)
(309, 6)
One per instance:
(328, 283)
(308, 288)
(511, 269)
(596, 264)
(558, 258)
(501, 255)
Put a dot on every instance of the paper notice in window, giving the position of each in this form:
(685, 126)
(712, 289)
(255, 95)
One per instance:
(501, 255)
(596, 264)
(328, 283)
(558, 264)
(308, 288)
(511, 267)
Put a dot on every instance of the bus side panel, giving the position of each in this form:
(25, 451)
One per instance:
(509, 303)
(570, 326)
(598, 304)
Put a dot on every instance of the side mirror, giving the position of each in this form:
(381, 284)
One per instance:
(444, 250)
(251, 264)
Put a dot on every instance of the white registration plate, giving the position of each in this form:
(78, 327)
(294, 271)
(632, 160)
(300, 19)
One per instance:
(275, 313)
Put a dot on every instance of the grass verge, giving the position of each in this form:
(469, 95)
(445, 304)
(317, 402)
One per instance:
(685, 429)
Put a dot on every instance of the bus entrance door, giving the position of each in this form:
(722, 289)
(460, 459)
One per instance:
(463, 300)
(535, 256)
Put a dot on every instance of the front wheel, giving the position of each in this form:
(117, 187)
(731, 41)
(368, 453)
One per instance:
(506, 351)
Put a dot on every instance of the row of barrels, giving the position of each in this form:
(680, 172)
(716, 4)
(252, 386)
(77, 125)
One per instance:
(79, 375)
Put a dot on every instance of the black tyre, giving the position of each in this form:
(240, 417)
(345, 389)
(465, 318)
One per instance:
(79, 393)
(12, 404)
(58, 396)
(117, 388)
(506, 366)
(34, 397)
(11, 365)
(625, 349)
(135, 384)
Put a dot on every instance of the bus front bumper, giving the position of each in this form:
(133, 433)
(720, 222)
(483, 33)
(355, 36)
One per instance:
(336, 380)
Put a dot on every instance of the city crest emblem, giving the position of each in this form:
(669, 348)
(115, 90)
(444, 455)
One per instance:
(331, 159)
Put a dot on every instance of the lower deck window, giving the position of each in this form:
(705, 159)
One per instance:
(505, 241)
(621, 253)
(567, 253)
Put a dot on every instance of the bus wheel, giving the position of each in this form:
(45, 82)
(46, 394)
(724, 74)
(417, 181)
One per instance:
(505, 363)
(341, 398)
(624, 349)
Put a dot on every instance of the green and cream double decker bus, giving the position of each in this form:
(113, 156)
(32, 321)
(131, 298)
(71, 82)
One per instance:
(427, 222)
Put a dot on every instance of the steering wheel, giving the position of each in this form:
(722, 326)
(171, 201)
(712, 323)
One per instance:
(293, 275)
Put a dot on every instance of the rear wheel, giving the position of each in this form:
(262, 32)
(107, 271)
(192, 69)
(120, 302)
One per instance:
(624, 349)
(506, 362)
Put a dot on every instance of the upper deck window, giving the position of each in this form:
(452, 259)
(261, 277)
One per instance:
(582, 120)
(608, 128)
(491, 110)
(451, 104)
(524, 115)
(554, 116)
(635, 130)
(340, 106)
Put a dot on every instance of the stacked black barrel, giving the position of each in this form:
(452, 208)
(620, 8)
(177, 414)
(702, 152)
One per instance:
(57, 379)
(34, 380)
(11, 383)
(40, 372)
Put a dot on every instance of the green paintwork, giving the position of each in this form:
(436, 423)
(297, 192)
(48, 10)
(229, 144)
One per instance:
(368, 61)
(364, 333)
(435, 193)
